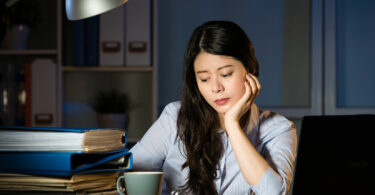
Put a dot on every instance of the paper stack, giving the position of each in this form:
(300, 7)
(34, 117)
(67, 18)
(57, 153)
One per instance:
(42, 159)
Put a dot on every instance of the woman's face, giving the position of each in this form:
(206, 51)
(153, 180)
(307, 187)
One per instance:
(220, 80)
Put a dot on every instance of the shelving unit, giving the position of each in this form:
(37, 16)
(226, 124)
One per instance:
(77, 85)
(42, 42)
(80, 83)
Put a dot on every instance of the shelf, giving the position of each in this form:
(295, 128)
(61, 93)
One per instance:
(29, 52)
(108, 69)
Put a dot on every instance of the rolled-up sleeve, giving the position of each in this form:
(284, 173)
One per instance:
(279, 143)
(271, 183)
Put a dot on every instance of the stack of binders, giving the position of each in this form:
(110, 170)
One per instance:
(40, 159)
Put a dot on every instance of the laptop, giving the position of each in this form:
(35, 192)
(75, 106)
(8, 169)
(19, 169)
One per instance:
(335, 155)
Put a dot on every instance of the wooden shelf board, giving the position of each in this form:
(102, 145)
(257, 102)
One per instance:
(108, 69)
(29, 52)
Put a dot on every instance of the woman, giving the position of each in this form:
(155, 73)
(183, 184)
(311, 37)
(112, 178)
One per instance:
(216, 140)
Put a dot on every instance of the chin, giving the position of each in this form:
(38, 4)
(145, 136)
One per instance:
(222, 109)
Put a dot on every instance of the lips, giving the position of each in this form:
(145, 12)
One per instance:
(222, 101)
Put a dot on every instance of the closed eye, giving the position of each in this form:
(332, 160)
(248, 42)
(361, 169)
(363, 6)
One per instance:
(227, 75)
(203, 79)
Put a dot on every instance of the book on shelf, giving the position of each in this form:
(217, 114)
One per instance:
(86, 41)
(81, 41)
(16, 138)
(12, 86)
(92, 41)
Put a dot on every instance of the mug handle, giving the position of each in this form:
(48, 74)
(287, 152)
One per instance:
(118, 185)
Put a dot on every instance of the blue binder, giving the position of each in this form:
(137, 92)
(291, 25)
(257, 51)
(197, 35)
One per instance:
(65, 163)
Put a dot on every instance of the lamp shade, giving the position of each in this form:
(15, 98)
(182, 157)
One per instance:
(81, 9)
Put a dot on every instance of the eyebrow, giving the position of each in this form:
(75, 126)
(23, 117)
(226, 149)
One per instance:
(222, 67)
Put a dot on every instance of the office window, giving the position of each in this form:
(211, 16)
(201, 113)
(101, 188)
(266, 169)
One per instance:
(355, 46)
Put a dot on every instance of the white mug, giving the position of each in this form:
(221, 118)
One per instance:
(141, 183)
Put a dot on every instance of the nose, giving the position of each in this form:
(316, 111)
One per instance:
(216, 86)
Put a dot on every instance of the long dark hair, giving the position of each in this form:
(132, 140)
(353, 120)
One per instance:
(198, 123)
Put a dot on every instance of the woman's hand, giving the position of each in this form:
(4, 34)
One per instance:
(252, 165)
(252, 88)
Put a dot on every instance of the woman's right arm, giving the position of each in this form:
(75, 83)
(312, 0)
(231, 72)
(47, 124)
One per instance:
(150, 152)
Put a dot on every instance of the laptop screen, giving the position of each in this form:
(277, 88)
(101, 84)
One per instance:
(335, 155)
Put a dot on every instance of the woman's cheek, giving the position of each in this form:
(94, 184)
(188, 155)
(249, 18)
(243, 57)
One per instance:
(243, 88)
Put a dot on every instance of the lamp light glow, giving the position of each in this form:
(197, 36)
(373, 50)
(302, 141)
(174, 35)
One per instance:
(81, 9)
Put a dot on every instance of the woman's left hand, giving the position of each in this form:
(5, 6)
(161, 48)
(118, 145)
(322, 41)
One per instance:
(252, 88)
(253, 166)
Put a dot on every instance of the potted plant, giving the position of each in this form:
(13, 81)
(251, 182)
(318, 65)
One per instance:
(112, 107)
(18, 17)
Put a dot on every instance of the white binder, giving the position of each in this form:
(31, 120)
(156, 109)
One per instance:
(43, 92)
(138, 33)
(112, 38)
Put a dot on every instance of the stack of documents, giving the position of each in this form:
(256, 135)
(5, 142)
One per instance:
(77, 183)
(60, 139)
(61, 159)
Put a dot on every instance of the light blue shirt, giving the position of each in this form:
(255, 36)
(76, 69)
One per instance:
(272, 135)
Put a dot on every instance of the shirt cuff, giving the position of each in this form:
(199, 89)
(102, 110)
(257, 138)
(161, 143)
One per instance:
(270, 184)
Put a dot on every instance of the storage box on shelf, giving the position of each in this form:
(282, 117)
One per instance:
(75, 86)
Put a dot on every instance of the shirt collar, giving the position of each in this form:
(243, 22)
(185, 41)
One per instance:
(252, 124)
